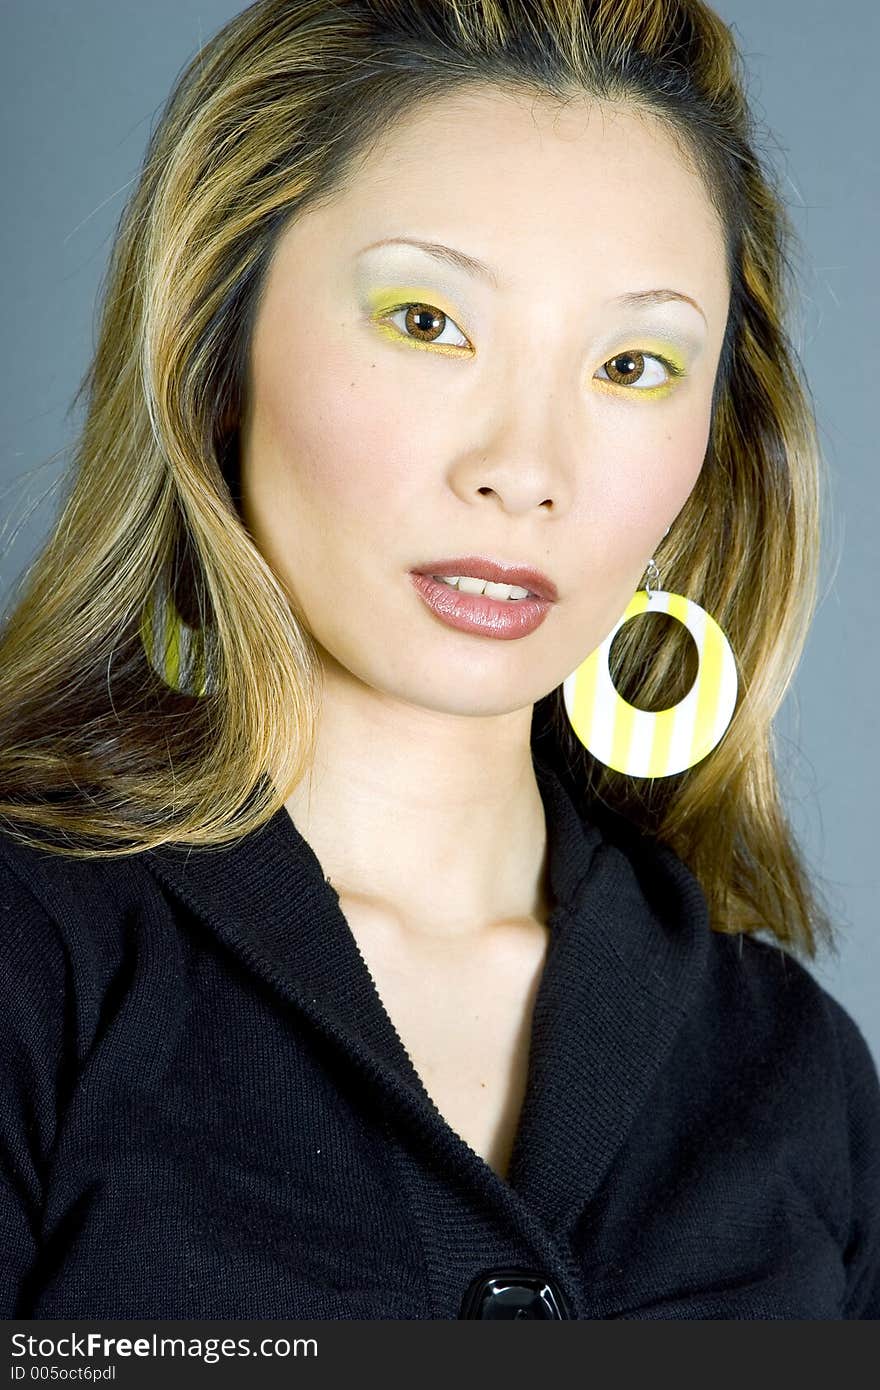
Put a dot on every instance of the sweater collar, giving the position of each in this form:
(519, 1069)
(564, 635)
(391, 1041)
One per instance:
(628, 945)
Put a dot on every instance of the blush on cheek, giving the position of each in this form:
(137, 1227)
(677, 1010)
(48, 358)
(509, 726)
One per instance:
(640, 501)
(675, 469)
(326, 433)
(374, 448)
(358, 459)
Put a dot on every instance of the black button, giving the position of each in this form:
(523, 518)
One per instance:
(514, 1293)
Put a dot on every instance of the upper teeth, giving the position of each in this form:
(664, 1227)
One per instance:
(468, 585)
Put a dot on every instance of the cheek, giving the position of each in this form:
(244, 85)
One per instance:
(642, 479)
(345, 450)
(680, 462)
(664, 466)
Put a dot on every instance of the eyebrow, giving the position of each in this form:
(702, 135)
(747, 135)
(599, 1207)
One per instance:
(448, 255)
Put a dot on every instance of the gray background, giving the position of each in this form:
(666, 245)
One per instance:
(82, 85)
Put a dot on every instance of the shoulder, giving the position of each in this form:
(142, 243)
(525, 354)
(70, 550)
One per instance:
(80, 895)
(33, 963)
(813, 1079)
(762, 979)
(775, 1007)
(825, 1032)
(70, 932)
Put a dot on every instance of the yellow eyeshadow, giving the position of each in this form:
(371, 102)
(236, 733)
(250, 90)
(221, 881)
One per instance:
(385, 301)
(650, 392)
(652, 348)
(670, 352)
(673, 358)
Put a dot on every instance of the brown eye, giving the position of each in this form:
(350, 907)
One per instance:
(425, 323)
(628, 369)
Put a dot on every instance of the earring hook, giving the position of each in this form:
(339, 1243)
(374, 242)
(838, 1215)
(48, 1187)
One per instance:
(652, 568)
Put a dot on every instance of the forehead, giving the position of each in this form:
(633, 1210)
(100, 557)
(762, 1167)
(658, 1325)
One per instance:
(535, 188)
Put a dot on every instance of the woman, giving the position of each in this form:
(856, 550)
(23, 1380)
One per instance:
(375, 943)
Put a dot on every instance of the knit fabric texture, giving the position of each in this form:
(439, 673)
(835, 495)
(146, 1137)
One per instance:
(206, 1110)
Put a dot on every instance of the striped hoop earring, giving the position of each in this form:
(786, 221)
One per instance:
(176, 651)
(645, 743)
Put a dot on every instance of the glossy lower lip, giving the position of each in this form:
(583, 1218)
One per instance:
(489, 617)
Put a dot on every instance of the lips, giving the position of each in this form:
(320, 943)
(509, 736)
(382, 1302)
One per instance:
(494, 571)
(479, 614)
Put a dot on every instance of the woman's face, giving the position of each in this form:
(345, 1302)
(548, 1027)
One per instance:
(520, 428)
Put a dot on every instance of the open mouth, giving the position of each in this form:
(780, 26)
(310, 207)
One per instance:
(481, 612)
(504, 593)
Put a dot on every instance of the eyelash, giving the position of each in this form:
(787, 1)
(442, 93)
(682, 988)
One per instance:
(671, 367)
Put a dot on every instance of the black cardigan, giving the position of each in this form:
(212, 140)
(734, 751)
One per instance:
(206, 1112)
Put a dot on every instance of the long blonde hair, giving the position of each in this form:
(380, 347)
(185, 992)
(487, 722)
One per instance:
(156, 682)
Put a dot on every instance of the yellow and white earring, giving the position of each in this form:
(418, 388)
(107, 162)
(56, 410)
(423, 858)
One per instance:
(176, 651)
(646, 743)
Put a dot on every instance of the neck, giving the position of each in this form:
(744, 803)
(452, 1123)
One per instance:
(436, 817)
